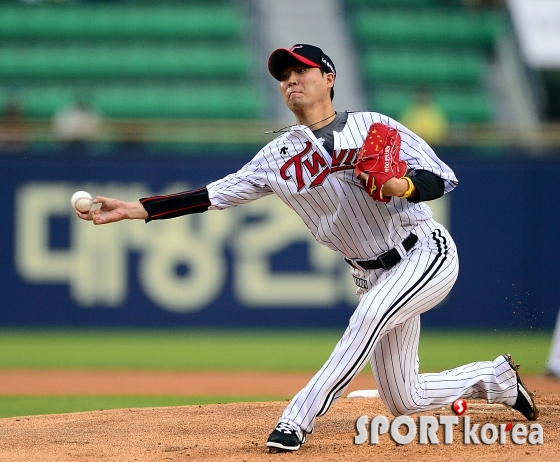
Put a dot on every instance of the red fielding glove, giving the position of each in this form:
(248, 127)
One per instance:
(380, 157)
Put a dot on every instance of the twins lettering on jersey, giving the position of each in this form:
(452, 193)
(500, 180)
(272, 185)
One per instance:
(315, 164)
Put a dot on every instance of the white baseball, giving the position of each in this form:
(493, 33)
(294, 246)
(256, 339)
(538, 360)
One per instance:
(81, 201)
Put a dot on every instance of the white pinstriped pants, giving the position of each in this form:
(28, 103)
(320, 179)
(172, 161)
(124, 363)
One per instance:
(385, 330)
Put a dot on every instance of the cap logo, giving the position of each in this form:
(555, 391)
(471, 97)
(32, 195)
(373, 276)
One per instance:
(296, 46)
(329, 65)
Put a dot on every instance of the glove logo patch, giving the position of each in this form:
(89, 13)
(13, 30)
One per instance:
(387, 164)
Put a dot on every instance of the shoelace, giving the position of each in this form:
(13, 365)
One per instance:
(285, 428)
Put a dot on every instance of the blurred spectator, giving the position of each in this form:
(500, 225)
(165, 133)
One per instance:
(13, 129)
(76, 125)
(426, 118)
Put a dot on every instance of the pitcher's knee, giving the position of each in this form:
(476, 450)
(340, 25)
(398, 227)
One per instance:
(397, 406)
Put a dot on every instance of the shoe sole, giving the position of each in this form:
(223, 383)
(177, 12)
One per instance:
(274, 448)
(522, 388)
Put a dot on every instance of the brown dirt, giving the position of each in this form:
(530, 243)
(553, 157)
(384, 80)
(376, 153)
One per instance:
(233, 432)
(149, 383)
(204, 383)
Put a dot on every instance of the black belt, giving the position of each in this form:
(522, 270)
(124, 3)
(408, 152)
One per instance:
(387, 259)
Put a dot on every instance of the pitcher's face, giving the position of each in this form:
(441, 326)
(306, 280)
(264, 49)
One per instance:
(303, 86)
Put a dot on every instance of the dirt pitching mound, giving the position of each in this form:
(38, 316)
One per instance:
(238, 432)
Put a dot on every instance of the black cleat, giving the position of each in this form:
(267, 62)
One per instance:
(283, 439)
(525, 402)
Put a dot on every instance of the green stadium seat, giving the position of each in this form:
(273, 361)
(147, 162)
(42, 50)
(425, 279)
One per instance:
(467, 108)
(135, 59)
(460, 105)
(391, 3)
(165, 102)
(198, 102)
(423, 67)
(125, 61)
(447, 28)
(404, 44)
(39, 102)
(120, 22)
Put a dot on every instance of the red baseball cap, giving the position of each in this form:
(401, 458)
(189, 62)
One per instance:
(309, 55)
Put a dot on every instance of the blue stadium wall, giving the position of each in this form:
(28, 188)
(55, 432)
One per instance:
(256, 265)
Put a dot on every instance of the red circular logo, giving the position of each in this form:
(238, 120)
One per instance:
(459, 406)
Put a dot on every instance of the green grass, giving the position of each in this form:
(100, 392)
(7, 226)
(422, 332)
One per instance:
(266, 350)
(166, 349)
(441, 350)
(40, 405)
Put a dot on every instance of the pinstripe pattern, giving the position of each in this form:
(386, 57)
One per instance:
(384, 329)
(337, 211)
(383, 321)
(404, 391)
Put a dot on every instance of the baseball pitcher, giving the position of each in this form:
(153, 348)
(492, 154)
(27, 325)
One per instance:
(360, 182)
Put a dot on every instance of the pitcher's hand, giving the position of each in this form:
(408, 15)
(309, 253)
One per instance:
(113, 210)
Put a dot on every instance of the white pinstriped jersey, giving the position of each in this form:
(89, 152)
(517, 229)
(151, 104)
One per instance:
(322, 189)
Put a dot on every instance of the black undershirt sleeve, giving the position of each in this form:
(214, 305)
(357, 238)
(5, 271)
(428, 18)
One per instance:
(428, 186)
(176, 205)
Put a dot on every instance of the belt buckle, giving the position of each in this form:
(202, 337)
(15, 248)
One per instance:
(389, 259)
